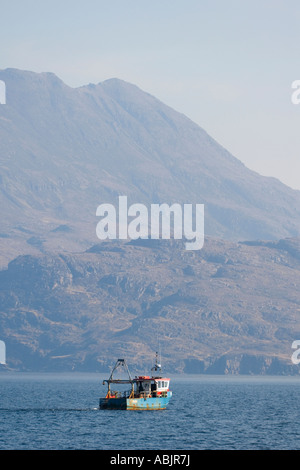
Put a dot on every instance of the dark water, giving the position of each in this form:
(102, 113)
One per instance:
(60, 412)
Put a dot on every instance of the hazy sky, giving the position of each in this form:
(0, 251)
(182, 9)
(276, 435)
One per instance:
(226, 64)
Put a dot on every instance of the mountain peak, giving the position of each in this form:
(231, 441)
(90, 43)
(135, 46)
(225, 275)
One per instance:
(14, 73)
(66, 150)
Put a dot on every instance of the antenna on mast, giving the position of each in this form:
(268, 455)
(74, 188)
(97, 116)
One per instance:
(157, 365)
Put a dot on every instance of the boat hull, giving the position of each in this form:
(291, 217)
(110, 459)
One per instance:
(150, 403)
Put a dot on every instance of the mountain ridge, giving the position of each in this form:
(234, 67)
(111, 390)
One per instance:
(68, 302)
(229, 308)
(65, 150)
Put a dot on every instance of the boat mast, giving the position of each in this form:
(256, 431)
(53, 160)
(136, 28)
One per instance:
(157, 365)
(122, 363)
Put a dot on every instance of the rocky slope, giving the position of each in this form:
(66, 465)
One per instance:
(70, 303)
(228, 308)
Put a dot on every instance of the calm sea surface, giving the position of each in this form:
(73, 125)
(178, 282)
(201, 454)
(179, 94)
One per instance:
(47, 411)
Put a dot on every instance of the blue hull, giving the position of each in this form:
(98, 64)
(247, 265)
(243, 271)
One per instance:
(153, 403)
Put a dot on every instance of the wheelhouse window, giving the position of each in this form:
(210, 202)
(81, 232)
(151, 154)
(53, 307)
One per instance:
(162, 384)
(146, 386)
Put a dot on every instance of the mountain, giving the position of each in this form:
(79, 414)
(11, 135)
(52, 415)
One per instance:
(64, 151)
(68, 302)
(228, 308)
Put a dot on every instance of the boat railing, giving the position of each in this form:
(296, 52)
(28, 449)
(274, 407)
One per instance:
(143, 394)
(120, 394)
(136, 394)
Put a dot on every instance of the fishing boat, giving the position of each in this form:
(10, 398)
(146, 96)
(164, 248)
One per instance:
(146, 392)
